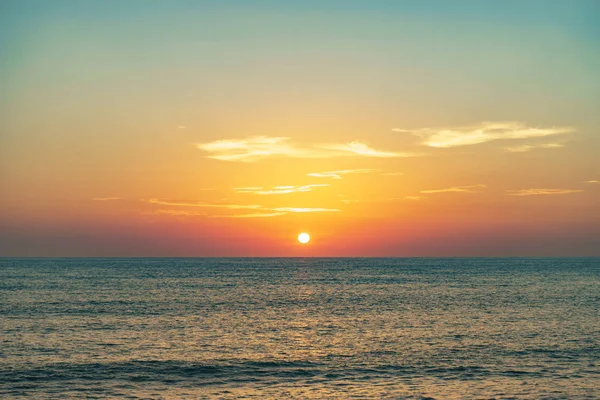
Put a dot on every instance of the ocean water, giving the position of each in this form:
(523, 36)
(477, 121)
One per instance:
(472, 328)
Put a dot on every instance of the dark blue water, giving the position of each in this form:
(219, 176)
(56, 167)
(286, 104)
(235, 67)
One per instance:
(300, 328)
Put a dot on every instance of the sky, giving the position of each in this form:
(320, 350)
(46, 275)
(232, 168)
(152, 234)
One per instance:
(225, 128)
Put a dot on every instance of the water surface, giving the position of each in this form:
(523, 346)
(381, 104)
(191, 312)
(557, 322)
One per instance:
(300, 328)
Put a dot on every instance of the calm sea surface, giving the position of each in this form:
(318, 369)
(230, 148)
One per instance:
(300, 328)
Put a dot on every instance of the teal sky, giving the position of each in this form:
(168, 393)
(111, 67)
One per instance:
(446, 53)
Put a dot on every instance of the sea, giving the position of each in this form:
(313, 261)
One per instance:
(300, 328)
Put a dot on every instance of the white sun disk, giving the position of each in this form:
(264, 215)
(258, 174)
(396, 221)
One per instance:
(304, 238)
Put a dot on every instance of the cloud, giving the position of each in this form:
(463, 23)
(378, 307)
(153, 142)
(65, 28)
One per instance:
(527, 147)
(187, 213)
(279, 189)
(251, 215)
(259, 147)
(537, 192)
(203, 204)
(260, 211)
(181, 213)
(592, 181)
(251, 189)
(181, 127)
(338, 174)
(361, 149)
(249, 149)
(484, 132)
(414, 198)
(275, 212)
(457, 189)
(304, 209)
(105, 198)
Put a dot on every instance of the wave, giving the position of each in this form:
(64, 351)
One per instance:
(158, 370)
(177, 371)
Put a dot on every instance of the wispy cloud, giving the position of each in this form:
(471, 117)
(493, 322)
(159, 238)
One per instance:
(413, 198)
(484, 132)
(305, 209)
(263, 213)
(105, 198)
(249, 149)
(250, 215)
(188, 213)
(259, 211)
(181, 127)
(592, 181)
(250, 189)
(259, 147)
(537, 192)
(279, 189)
(457, 189)
(179, 213)
(362, 149)
(204, 204)
(527, 147)
(338, 174)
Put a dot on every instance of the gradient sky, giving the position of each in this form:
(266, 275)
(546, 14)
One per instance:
(225, 128)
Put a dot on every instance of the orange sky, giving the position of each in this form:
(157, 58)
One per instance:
(201, 130)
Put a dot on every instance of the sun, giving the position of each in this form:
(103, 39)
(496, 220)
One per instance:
(304, 238)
